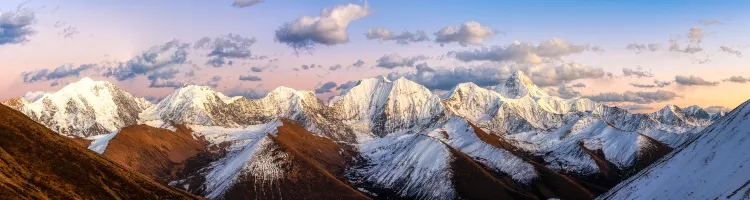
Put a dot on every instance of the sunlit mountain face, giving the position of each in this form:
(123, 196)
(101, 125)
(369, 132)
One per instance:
(254, 99)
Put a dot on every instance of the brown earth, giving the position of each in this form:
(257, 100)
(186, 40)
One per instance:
(474, 182)
(36, 163)
(609, 175)
(81, 141)
(155, 152)
(550, 184)
(647, 158)
(313, 168)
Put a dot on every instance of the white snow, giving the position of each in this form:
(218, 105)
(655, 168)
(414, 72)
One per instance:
(100, 142)
(460, 135)
(413, 165)
(713, 166)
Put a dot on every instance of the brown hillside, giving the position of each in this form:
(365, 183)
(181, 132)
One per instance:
(36, 163)
(550, 183)
(155, 152)
(473, 182)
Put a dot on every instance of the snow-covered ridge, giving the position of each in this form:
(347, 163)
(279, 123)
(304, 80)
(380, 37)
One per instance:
(713, 166)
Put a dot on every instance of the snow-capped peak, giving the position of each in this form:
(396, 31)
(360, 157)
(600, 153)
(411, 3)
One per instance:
(192, 104)
(519, 85)
(85, 108)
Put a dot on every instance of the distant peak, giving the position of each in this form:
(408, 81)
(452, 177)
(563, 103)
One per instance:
(519, 85)
(86, 79)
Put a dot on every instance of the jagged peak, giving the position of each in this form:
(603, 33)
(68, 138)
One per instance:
(519, 85)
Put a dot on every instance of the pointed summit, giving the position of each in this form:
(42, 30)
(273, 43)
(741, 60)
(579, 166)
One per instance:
(519, 85)
(192, 104)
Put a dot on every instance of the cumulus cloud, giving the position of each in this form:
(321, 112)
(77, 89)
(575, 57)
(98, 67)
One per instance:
(157, 57)
(730, 51)
(246, 3)
(346, 86)
(256, 69)
(523, 52)
(359, 63)
(657, 83)
(695, 37)
(228, 47)
(161, 83)
(250, 78)
(640, 48)
(403, 38)
(326, 87)
(64, 71)
(313, 66)
(578, 85)
(636, 107)
(470, 32)
(393, 60)
(334, 68)
(638, 72)
(635, 97)
(716, 109)
(490, 74)
(737, 79)
(251, 93)
(563, 91)
(693, 81)
(327, 29)
(16, 26)
(213, 82)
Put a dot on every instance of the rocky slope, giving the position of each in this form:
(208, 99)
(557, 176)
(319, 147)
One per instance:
(709, 167)
(37, 163)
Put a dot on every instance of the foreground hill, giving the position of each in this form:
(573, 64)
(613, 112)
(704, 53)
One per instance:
(713, 166)
(36, 163)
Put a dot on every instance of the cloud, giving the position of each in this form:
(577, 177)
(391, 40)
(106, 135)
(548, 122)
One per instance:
(578, 85)
(730, 51)
(346, 86)
(522, 52)
(640, 48)
(551, 75)
(359, 63)
(161, 83)
(710, 22)
(657, 83)
(325, 88)
(246, 3)
(490, 74)
(693, 81)
(403, 38)
(716, 109)
(251, 93)
(256, 69)
(213, 82)
(470, 32)
(64, 71)
(34, 95)
(563, 91)
(54, 83)
(334, 68)
(202, 43)
(638, 72)
(393, 60)
(16, 26)
(69, 32)
(636, 107)
(157, 57)
(635, 97)
(225, 48)
(327, 29)
(737, 79)
(313, 66)
(695, 37)
(250, 78)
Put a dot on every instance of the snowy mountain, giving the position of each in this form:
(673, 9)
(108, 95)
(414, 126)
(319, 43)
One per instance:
(709, 167)
(84, 108)
(377, 107)
(193, 104)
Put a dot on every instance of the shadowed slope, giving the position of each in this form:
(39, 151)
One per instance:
(155, 152)
(36, 163)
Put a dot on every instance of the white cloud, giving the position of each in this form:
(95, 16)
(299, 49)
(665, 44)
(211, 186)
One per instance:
(470, 32)
(328, 29)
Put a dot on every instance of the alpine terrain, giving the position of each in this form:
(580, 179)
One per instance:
(395, 139)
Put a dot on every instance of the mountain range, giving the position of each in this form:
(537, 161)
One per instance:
(386, 139)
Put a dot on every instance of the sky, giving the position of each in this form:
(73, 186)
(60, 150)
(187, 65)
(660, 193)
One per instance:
(640, 55)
